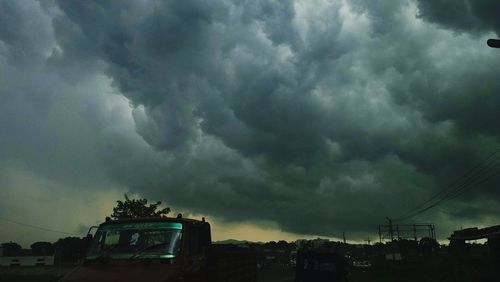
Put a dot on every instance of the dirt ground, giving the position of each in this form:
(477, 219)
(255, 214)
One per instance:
(272, 274)
(276, 274)
(33, 273)
(373, 274)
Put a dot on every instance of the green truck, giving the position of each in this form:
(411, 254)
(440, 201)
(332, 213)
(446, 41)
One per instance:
(162, 249)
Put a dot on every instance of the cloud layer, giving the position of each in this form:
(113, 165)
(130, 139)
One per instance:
(316, 117)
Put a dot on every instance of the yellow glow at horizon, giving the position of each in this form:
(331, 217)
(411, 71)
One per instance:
(251, 232)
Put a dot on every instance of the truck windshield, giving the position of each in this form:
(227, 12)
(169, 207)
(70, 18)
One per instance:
(134, 240)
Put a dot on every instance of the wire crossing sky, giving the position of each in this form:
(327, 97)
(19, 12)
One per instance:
(486, 171)
(38, 227)
(273, 119)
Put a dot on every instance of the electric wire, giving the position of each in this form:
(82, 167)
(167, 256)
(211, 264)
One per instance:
(460, 190)
(467, 175)
(480, 174)
(36, 227)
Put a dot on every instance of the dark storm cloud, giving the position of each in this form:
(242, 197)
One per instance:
(49, 171)
(476, 16)
(295, 112)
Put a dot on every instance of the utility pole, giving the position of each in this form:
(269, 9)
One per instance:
(343, 237)
(391, 231)
(493, 43)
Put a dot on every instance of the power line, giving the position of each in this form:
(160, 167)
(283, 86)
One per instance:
(467, 176)
(480, 174)
(448, 197)
(471, 182)
(452, 194)
(36, 227)
(482, 182)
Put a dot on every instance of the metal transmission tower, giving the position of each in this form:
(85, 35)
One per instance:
(493, 43)
(415, 232)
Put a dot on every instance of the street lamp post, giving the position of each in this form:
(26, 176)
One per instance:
(493, 43)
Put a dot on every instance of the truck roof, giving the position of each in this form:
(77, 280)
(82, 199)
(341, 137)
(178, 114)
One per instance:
(154, 219)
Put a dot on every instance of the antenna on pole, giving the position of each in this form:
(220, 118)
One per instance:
(493, 43)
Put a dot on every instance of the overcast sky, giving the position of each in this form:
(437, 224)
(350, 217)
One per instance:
(274, 119)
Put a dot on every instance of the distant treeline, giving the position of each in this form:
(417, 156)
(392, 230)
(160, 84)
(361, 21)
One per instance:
(65, 250)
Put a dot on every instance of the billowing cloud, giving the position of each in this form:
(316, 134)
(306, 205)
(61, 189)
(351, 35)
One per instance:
(465, 15)
(317, 117)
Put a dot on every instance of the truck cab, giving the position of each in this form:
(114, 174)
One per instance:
(158, 249)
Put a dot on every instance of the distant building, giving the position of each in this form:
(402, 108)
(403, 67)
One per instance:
(459, 238)
(314, 243)
(470, 257)
(318, 242)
